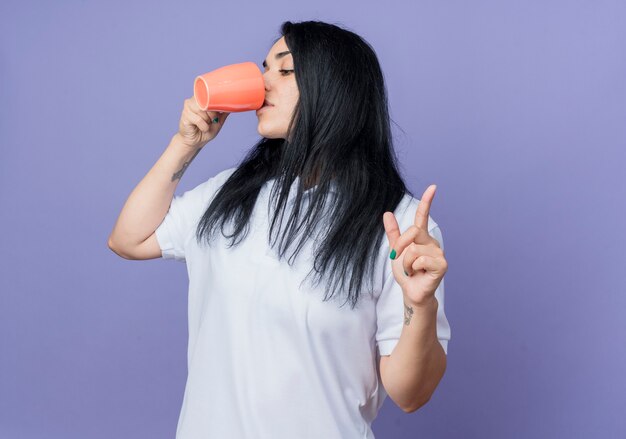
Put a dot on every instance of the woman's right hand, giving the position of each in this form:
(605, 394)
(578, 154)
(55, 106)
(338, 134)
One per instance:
(197, 127)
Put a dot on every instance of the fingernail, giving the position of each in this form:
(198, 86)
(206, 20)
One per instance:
(216, 120)
(406, 273)
(392, 255)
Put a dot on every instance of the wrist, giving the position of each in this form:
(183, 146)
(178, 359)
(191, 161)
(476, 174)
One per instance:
(429, 304)
(178, 143)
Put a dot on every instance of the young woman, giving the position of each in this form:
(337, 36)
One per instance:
(274, 352)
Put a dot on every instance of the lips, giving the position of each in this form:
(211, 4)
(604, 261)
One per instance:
(266, 104)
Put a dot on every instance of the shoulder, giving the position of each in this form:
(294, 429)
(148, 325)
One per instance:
(214, 183)
(226, 173)
(221, 177)
(203, 191)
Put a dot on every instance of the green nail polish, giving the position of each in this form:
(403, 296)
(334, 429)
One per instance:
(393, 254)
(216, 120)
(406, 272)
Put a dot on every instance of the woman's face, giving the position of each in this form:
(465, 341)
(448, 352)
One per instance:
(281, 92)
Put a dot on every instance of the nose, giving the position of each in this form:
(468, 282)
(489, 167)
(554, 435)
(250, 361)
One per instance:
(267, 81)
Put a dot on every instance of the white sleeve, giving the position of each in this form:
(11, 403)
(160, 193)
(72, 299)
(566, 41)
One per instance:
(390, 309)
(184, 214)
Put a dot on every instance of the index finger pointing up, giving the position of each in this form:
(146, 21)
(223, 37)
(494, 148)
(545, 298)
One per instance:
(423, 208)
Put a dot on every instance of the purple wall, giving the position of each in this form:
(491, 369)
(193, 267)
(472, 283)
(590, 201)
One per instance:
(516, 111)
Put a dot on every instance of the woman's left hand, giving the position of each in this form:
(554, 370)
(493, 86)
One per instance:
(421, 264)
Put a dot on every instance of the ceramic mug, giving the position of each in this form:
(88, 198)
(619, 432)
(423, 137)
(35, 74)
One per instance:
(233, 88)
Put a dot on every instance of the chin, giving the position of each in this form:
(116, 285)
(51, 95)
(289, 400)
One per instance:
(269, 134)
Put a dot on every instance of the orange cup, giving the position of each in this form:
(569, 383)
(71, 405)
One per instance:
(232, 88)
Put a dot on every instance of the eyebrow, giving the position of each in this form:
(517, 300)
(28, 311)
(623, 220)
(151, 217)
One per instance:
(278, 56)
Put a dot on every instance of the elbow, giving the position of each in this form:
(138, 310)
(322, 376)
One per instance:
(111, 246)
(415, 407)
(424, 396)
(117, 252)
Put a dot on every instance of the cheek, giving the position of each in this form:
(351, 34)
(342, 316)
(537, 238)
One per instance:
(294, 95)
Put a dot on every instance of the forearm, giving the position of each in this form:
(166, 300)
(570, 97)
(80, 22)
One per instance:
(149, 201)
(418, 361)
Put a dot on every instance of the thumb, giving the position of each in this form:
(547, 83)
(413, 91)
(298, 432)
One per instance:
(391, 227)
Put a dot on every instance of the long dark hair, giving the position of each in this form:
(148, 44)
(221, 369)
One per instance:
(339, 133)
